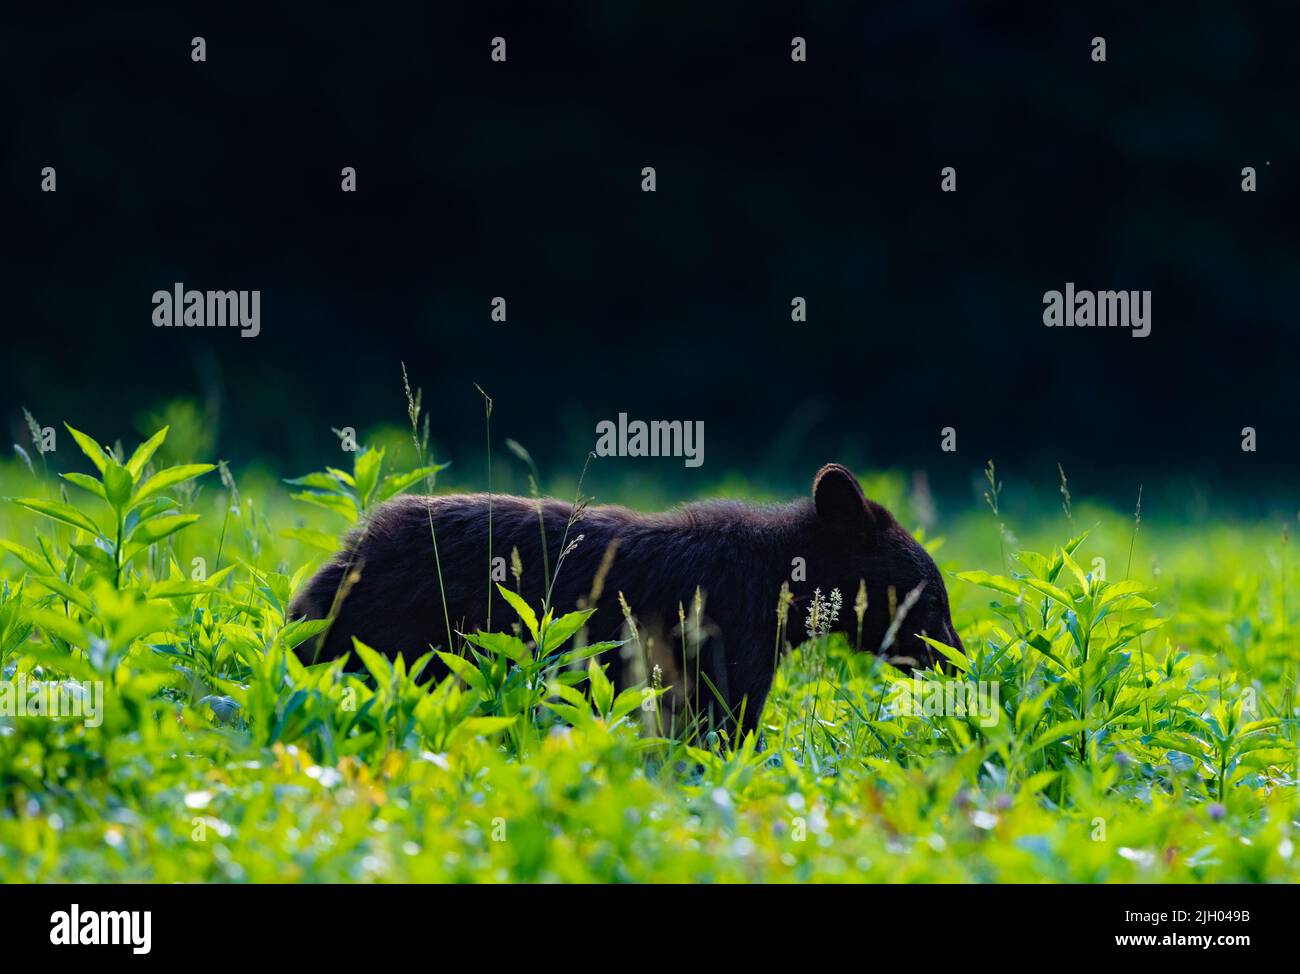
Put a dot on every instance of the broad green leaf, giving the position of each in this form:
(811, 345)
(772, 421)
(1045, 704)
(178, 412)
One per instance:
(58, 512)
(394, 484)
(464, 669)
(602, 691)
(367, 466)
(1051, 591)
(1261, 742)
(298, 632)
(144, 452)
(158, 528)
(1038, 565)
(60, 626)
(482, 726)
(318, 481)
(1038, 640)
(180, 588)
(74, 595)
(998, 583)
(562, 629)
(86, 482)
(1131, 631)
(27, 556)
(1120, 590)
(94, 555)
(378, 665)
(522, 609)
(574, 716)
(1058, 561)
(1076, 571)
(565, 692)
(150, 508)
(586, 652)
(316, 539)
(1183, 743)
(1059, 732)
(90, 448)
(169, 477)
(501, 643)
(118, 484)
(331, 502)
(626, 702)
(954, 656)
(1255, 726)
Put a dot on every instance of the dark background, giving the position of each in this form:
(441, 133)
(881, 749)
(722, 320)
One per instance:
(775, 179)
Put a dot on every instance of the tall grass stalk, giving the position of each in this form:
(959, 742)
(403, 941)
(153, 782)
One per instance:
(413, 411)
(1128, 570)
(487, 422)
(534, 488)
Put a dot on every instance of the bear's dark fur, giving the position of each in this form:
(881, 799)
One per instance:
(383, 585)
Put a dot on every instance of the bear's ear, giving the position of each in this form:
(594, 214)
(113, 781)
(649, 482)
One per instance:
(841, 503)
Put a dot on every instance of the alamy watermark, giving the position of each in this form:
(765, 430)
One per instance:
(1098, 309)
(53, 699)
(208, 309)
(657, 438)
(951, 698)
(73, 928)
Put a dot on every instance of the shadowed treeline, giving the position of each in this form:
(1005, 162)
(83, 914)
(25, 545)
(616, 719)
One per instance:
(775, 180)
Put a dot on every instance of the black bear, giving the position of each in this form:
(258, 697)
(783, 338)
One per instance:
(383, 586)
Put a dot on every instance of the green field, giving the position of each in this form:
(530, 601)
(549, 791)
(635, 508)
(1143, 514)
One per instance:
(1143, 728)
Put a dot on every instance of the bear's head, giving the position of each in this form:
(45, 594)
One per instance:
(860, 541)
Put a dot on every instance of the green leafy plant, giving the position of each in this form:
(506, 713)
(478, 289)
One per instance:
(140, 512)
(514, 677)
(1142, 729)
(353, 495)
